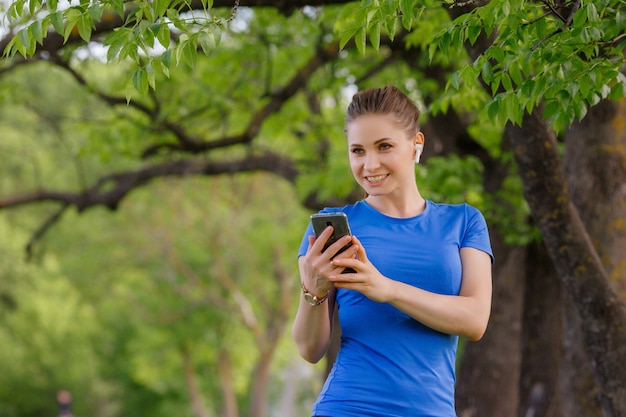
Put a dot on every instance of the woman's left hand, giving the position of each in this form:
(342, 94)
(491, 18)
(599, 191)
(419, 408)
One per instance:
(366, 279)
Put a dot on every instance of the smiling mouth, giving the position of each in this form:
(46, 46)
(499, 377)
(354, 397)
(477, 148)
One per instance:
(377, 178)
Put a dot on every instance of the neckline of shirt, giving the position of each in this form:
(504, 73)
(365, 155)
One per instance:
(399, 219)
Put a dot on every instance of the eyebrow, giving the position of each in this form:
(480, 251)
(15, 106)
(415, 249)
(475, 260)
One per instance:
(376, 142)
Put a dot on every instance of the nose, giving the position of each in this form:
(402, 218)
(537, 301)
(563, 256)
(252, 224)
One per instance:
(371, 161)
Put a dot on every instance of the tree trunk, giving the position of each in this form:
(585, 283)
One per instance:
(488, 375)
(229, 397)
(595, 167)
(260, 381)
(542, 348)
(602, 312)
(191, 380)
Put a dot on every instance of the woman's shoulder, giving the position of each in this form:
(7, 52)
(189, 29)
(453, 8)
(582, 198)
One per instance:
(456, 209)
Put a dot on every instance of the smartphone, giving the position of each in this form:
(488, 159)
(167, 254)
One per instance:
(339, 222)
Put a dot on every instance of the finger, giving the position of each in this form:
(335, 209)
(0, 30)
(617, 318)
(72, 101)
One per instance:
(348, 253)
(347, 262)
(317, 243)
(361, 251)
(337, 248)
(311, 242)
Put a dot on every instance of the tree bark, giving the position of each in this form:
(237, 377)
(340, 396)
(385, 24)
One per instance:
(595, 166)
(542, 348)
(602, 312)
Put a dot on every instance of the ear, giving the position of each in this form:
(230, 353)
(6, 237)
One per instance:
(420, 138)
(419, 146)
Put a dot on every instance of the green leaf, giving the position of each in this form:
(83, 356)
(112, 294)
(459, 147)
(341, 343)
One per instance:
(455, 80)
(375, 36)
(359, 40)
(140, 80)
(513, 109)
(150, 74)
(487, 71)
(166, 61)
(36, 31)
(117, 6)
(163, 35)
(406, 8)
(527, 88)
(84, 27)
(495, 84)
(57, 22)
(370, 15)
(444, 43)
(516, 75)
(492, 109)
(563, 98)
(551, 109)
(33, 5)
(72, 16)
(580, 108)
(11, 48)
(95, 11)
(24, 41)
(506, 82)
(207, 42)
(116, 41)
(160, 7)
(506, 8)
(172, 14)
(14, 11)
(605, 90)
(145, 35)
(474, 31)
(592, 13)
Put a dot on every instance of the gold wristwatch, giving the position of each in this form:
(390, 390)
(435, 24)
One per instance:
(312, 299)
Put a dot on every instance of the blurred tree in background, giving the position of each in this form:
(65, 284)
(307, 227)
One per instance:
(179, 303)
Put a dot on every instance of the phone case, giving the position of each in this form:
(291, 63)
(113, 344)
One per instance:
(338, 220)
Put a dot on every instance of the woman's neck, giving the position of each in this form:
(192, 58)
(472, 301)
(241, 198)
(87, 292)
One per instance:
(404, 207)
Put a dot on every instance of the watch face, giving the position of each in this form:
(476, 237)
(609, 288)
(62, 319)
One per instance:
(311, 299)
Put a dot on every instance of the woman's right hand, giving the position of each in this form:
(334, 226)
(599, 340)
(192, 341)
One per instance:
(313, 324)
(317, 265)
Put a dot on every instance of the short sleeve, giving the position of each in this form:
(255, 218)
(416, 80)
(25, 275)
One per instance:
(477, 233)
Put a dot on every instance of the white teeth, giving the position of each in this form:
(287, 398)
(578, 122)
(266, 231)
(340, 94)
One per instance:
(376, 178)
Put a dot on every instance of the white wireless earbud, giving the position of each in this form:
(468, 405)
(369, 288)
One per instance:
(418, 152)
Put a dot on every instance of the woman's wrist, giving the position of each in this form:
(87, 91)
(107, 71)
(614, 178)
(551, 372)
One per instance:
(312, 298)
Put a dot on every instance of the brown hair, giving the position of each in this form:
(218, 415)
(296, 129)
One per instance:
(385, 100)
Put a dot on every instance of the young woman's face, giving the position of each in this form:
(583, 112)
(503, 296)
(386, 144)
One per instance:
(381, 155)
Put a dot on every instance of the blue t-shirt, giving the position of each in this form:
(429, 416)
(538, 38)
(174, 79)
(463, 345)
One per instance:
(390, 364)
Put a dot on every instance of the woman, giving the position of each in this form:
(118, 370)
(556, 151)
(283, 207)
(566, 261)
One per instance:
(422, 277)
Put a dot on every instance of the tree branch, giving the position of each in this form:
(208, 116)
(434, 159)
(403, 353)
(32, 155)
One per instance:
(111, 189)
(323, 54)
(43, 229)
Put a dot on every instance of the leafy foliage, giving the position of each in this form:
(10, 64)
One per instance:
(144, 36)
(564, 58)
